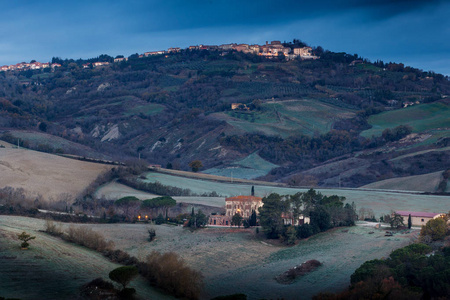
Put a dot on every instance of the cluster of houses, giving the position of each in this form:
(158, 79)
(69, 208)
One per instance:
(269, 50)
(34, 65)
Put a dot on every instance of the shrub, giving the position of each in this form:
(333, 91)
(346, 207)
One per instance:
(151, 234)
(123, 275)
(98, 289)
(25, 237)
(169, 272)
(84, 236)
(435, 228)
(53, 229)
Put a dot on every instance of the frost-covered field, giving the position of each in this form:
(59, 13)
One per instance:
(382, 202)
(50, 268)
(232, 260)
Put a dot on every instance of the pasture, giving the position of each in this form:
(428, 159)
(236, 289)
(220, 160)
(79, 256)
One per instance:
(251, 167)
(231, 260)
(420, 183)
(382, 202)
(420, 117)
(288, 117)
(51, 268)
(45, 174)
(37, 139)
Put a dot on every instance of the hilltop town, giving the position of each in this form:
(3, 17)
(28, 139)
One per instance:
(269, 50)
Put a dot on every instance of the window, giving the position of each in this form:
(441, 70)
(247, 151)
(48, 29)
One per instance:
(422, 220)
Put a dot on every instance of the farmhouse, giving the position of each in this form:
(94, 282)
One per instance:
(418, 218)
(289, 219)
(239, 106)
(243, 205)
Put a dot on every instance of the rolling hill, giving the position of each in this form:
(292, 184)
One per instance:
(50, 176)
(300, 116)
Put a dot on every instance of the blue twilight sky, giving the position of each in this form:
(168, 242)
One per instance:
(414, 32)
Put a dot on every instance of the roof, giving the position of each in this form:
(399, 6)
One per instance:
(417, 214)
(243, 198)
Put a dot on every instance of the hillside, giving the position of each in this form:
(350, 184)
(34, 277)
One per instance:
(297, 115)
(421, 183)
(231, 260)
(50, 176)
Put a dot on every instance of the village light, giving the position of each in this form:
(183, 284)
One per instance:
(139, 217)
(146, 217)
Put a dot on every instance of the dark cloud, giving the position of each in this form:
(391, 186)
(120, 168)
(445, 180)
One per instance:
(389, 30)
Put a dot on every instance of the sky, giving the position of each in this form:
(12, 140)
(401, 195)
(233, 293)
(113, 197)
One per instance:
(413, 32)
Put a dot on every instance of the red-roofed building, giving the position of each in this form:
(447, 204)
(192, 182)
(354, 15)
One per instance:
(243, 205)
(418, 218)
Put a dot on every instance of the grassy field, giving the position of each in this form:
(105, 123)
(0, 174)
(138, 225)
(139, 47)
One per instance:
(51, 268)
(420, 117)
(253, 166)
(114, 191)
(145, 109)
(231, 260)
(36, 138)
(46, 174)
(288, 117)
(382, 202)
(426, 182)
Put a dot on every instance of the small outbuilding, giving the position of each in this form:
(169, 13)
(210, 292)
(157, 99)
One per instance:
(418, 218)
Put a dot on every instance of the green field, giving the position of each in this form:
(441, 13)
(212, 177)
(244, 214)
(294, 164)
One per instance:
(382, 202)
(421, 118)
(145, 109)
(36, 138)
(289, 117)
(253, 166)
(420, 183)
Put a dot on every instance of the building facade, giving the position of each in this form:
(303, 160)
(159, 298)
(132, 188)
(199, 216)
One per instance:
(418, 218)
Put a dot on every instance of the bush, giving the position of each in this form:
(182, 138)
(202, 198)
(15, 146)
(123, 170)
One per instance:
(435, 228)
(84, 236)
(123, 275)
(169, 272)
(151, 234)
(53, 229)
(304, 231)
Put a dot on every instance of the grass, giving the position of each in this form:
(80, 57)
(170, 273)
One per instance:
(51, 268)
(45, 174)
(421, 118)
(290, 117)
(145, 109)
(251, 167)
(382, 202)
(36, 138)
(426, 182)
(232, 260)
